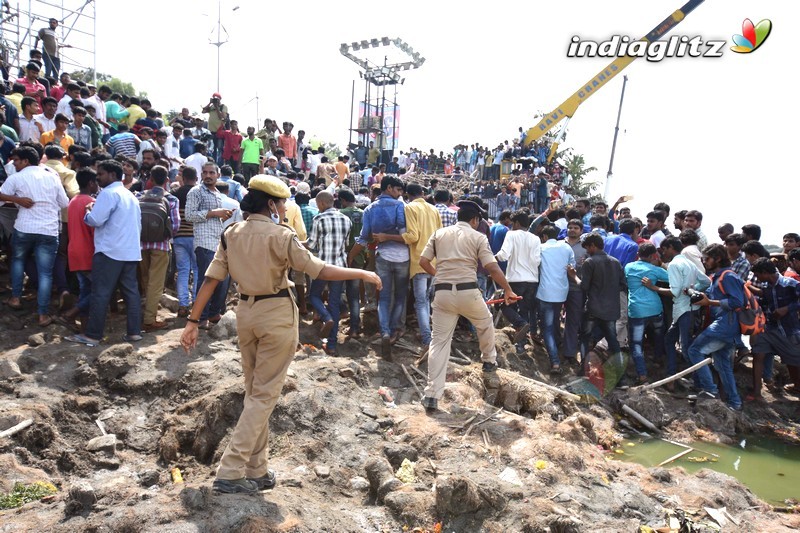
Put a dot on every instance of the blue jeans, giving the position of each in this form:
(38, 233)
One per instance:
(185, 262)
(722, 352)
(392, 302)
(216, 305)
(551, 314)
(422, 304)
(523, 311)
(680, 330)
(106, 273)
(43, 248)
(332, 311)
(353, 291)
(85, 294)
(608, 328)
(636, 327)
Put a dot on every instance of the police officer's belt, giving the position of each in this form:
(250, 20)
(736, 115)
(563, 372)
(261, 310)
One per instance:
(459, 286)
(283, 293)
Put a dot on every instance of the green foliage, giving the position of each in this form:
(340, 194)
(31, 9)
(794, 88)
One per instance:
(332, 151)
(22, 494)
(116, 84)
(576, 167)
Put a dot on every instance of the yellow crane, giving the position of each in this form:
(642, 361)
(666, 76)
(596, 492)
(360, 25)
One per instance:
(567, 109)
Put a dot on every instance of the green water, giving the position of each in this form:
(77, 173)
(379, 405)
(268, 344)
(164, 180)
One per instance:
(768, 467)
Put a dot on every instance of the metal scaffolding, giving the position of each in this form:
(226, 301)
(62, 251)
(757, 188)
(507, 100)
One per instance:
(21, 22)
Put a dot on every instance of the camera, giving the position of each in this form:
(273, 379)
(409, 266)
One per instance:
(694, 296)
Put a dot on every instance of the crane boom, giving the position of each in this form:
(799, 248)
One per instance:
(570, 105)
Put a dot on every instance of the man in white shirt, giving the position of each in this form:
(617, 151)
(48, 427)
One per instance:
(522, 250)
(73, 93)
(40, 197)
(29, 128)
(655, 220)
(48, 116)
(198, 158)
(230, 204)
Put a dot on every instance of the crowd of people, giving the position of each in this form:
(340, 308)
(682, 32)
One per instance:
(105, 197)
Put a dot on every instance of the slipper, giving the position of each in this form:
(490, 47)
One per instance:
(16, 307)
(82, 339)
(46, 322)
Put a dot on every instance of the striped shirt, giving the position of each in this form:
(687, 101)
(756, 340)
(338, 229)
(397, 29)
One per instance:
(185, 229)
(329, 235)
(45, 189)
(199, 201)
(123, 143)
(449, 217)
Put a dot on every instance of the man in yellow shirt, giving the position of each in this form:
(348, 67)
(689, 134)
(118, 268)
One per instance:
(422, 221)
(373, 155)
(135, 112)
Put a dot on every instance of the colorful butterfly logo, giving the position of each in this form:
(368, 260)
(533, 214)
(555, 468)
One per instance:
(752, 36)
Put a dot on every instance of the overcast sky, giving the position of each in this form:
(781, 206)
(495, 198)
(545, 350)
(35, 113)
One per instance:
(715, 134)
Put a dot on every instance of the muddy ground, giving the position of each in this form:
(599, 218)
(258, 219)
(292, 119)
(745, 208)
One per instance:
(504, 455)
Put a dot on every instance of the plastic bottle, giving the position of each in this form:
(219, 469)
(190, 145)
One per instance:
(176, 475)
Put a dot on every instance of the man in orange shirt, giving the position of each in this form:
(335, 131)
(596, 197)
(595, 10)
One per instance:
(59, 135)
(341, 167)
(288, 142)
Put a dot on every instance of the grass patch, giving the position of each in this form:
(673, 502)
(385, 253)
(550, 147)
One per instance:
(22, 494)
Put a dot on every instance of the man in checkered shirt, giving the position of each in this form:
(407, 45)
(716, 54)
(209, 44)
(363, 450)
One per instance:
(329, 236)
(449, 217)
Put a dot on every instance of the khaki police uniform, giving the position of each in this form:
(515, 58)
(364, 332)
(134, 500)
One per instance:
(258, 254)
(457, 250)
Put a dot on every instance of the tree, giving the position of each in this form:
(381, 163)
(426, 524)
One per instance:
(116, 84)
(575, 165)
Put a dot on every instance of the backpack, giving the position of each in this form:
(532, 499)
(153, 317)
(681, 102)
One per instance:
(156, 223)
(752, 320)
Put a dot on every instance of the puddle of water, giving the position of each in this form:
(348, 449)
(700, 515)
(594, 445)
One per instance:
(768, 467)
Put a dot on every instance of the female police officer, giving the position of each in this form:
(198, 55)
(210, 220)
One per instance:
(258, 253)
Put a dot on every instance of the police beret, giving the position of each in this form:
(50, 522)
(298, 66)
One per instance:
(270, 185)
(468, 205)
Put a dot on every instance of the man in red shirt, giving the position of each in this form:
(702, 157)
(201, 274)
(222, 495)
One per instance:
(81, 245)
(33, 88)
(288, 142)
(232, 147)
(59, 91)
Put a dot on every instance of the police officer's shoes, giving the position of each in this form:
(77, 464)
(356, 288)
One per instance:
(235, 486)
(489, 367)
(265, 482)
(431, 405)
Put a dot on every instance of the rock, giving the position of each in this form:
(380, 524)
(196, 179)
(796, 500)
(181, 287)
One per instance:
(381, 478)
(115, 361)
(225, 328)
(410, 505)
(396, 452)
(661, 474)
(169, 302)
(292, 482)
(9, 369)
(509, 475)
(385, 422)
(459, 495)
(347, 372)
(37, 339)
(85, 375)
(322, 471)
(371, 427)
(195, 499)
(106, 443)
(649, 405)
(82, 493)
(369, 411)
(106, 462)
(359, 483)
(148, 478)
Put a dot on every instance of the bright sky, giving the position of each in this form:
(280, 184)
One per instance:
(713, 134)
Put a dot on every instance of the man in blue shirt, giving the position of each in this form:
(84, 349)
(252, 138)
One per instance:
(234, 187)
(497, 234)
(553, 289)
(117, 220)
(387, 215)
(718, 340)
(622, 248)
(644, 305)
(187, 144)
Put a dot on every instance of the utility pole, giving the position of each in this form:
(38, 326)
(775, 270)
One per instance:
(614, 144)
(219, 42)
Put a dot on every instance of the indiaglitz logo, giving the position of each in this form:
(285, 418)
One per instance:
(752, 36)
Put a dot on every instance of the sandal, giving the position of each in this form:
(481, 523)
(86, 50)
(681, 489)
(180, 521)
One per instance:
(82, 339)
(15, 307)
(43, 323)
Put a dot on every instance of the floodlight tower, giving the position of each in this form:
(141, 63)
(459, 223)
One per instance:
(379, 76)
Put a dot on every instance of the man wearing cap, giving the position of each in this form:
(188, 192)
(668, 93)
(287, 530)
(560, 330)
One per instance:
(271, 168)
(457, 250)
(33, 88)
(217, 116)
(258, 254)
